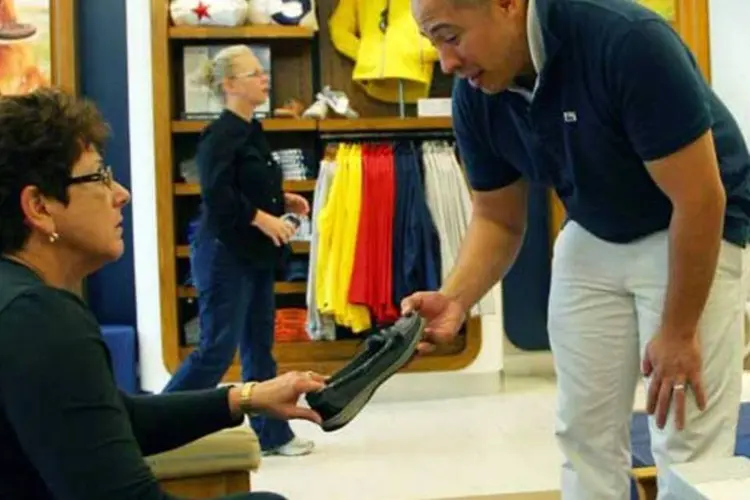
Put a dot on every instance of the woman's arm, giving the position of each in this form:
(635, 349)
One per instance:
(167, 421)
(58, 394)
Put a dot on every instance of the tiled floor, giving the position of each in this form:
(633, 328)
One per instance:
(455, 448)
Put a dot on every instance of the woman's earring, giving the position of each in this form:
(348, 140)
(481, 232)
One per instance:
(54, 237)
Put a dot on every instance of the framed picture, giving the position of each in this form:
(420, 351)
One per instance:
(199, 103)
(37, 45)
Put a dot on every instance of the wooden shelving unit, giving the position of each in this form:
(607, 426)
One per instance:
(293, 54)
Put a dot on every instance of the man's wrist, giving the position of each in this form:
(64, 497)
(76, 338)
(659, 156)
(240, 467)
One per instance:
(456, 297)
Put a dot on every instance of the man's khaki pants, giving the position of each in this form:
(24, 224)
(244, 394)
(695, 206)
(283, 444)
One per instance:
(605, 305)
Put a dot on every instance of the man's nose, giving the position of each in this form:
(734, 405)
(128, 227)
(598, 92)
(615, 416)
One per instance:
(449, 60)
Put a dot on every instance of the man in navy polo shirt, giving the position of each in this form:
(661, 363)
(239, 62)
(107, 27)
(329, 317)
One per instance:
(601, 100)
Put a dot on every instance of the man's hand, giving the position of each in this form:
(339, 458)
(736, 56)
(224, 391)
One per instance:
(674, 365)
(296, 204)
(444, 317)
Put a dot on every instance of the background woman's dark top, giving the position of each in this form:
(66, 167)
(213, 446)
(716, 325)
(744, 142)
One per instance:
(238, 177)
(66, 432)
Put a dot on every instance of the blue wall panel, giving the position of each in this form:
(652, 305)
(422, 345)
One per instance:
(102, 46)
(526, 286)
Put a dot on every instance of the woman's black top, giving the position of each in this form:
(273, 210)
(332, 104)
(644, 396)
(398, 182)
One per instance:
(238, 177)
(66, 431)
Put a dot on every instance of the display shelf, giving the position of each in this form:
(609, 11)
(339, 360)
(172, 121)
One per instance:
(299, 56)
(239, 32)
(269, 125)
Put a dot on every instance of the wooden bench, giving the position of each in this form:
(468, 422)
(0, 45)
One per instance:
(216, 465)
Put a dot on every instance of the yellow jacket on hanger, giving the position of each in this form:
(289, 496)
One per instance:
(383, 58)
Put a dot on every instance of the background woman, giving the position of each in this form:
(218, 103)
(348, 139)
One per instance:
(238, 244)
(66, 432)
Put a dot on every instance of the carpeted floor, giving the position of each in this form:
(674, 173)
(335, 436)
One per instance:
(540, 495)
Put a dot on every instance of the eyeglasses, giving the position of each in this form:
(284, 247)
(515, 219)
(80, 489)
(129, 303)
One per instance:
(103, 175)
(252, 74)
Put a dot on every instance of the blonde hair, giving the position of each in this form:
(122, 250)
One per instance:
(213, 72)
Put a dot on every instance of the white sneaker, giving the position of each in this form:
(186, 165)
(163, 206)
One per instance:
(294, 448)
(337, 101)
(317, 110)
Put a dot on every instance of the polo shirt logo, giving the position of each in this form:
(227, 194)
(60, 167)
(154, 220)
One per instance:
(570, 116)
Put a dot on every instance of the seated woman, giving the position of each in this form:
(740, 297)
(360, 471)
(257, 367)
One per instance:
(66, 432)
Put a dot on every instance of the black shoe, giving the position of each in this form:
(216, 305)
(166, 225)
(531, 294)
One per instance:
(349, 389)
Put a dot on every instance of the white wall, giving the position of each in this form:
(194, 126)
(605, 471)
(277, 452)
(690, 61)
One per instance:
(730, 67)
(153, 372)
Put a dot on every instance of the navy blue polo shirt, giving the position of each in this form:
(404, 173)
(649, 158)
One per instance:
(616, 88)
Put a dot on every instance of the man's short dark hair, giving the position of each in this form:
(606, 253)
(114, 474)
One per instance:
(42, 135)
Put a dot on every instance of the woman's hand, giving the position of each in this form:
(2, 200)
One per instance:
(279, 230)
(278, 397)
(296, 204)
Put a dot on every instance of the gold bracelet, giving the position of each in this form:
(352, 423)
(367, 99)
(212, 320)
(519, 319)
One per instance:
(246, 395)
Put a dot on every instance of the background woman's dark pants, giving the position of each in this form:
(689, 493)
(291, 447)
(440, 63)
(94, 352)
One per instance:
(237, 308)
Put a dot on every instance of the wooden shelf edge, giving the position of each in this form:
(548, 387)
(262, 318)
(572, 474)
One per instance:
(269, 125)
(330, 124)
(247, 31)
(296, 186)
(298, 247)
(281, 288)
(383, 124)
(186, 189)
(300, 186)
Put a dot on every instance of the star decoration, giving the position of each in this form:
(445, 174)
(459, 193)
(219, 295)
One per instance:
(201, 10)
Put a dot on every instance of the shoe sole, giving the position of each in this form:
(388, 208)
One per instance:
(351, 410)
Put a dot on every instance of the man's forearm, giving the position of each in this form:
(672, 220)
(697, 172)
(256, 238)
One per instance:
(694, 245)
(487, 252)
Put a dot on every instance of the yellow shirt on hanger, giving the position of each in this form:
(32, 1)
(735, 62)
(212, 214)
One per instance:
(337, 225)
(356, 317)
(327, 222)
(382, 59)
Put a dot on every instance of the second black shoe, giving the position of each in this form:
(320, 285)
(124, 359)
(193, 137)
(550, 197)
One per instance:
(349, 389)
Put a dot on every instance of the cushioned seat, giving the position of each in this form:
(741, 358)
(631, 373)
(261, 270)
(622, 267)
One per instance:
(216, 465)
(235, 449)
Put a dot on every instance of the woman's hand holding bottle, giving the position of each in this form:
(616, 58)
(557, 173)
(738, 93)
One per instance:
(276, 228)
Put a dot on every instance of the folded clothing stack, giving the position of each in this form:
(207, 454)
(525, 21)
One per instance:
(294, 163)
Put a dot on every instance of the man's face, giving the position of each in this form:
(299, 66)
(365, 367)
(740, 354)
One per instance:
(484, 42)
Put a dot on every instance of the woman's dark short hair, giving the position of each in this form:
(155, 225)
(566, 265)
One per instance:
(42, 135)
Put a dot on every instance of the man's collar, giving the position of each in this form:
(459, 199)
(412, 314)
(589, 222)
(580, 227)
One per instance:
(536, 48)
(534, 34)
(540, 47)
